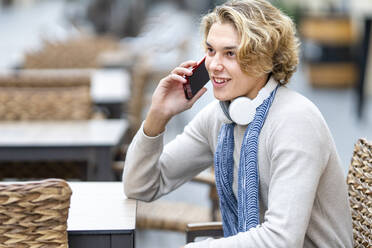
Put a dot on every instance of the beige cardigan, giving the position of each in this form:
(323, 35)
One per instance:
(303, 195)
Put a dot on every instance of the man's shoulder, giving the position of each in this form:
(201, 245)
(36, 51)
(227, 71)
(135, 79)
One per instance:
(290, 102)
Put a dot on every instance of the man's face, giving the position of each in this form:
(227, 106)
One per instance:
(227, 77)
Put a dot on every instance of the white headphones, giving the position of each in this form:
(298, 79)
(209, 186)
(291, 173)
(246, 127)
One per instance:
(242, 109)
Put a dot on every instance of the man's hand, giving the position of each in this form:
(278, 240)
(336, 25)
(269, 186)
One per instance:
(169, 99)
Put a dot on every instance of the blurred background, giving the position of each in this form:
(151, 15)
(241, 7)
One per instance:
(68, 60)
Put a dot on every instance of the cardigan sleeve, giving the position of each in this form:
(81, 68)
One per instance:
(151, 171)
(298, 149)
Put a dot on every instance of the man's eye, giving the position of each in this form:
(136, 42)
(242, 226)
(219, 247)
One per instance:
(210, 50)
(230, 53)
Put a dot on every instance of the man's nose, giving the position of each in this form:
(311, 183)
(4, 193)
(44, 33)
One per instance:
(216, 64)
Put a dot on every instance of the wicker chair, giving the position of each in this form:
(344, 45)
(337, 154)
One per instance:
(79, 52)
(45, 95)
(31, 95)
(175, 216)
(34, 214)
(359, 180)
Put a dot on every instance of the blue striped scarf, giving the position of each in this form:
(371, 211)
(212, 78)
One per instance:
(239, 215)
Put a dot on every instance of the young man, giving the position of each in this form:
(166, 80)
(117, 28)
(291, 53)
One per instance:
(278, 174)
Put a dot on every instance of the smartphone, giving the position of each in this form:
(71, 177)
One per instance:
(197, 80)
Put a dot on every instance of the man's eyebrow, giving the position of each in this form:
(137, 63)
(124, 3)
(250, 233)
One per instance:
(225, 48)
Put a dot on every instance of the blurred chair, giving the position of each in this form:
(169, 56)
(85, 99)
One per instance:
(77, 52)
(80, 51)
(45, 95)
(207, 229)
(174, 216)
(359, 180)
(34, 214)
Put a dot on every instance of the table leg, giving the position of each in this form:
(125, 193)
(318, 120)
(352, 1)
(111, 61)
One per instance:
(103, 165)
(98, 240)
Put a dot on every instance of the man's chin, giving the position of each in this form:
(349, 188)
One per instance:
(221, 97)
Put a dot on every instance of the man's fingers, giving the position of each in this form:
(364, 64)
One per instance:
(189, 63)
(176, 77)
(198, 95)
(182, 71)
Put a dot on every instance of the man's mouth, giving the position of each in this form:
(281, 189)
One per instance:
(219, 80)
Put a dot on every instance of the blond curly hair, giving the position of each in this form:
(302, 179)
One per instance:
(268, 42)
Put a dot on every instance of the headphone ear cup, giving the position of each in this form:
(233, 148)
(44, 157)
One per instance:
(242, 110)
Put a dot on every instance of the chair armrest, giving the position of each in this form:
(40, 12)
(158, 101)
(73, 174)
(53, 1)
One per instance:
(206, 177)
(206, 229)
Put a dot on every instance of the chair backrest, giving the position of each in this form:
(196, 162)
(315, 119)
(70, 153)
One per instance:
(34, 214)
(45, 95)
(359, 181)
(77, 52)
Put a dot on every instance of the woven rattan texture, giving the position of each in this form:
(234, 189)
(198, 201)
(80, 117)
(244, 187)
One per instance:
(359, 181)
(66, 103)
(45, 78)
(173, 216)
(81, 52)
(34, 214)
(45, 95)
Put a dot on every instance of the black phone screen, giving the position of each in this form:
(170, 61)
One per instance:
(197, 80)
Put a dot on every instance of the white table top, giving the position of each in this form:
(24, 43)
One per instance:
(100, 206)
(62, 133)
